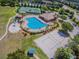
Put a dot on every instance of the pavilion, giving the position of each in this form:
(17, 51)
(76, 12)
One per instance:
(48, 17)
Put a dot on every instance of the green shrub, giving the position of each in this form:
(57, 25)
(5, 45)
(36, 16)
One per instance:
(67, 26)
(64, 17)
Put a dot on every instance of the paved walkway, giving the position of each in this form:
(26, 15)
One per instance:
(36, 56)
(6, 29)
(50, 42)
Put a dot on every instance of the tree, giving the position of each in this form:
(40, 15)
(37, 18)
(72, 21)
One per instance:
(77, 23)
(74, 19)
(63, 53)
(75, 47)
(19, 54)
(67, 26)
(3, 2)
(76, 39)
(25, 5)
(12, 4)
(36, 1)
(9, 2)
(61, 11)
(64, 17)
(67, 10)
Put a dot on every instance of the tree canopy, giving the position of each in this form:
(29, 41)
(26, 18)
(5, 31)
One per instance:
(67, 26)
(63, 53)
(76, 38)
(19, 54)
(8, 2)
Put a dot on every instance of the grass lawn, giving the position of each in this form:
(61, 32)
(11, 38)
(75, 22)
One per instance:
(11, 42)
(28, 43)
(5, 14)
(14, 41)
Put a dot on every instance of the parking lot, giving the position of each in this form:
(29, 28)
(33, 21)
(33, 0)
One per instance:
(50, 42)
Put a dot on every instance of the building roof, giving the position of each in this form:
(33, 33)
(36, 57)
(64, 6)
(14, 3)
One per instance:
(48, 16)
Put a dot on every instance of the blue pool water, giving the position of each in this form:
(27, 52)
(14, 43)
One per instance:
(34, 23)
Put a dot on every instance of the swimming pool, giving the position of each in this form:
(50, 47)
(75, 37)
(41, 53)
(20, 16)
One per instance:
(34, 23)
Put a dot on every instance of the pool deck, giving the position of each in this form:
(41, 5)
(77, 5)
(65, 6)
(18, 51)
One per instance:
(37, 30)
(14, 28)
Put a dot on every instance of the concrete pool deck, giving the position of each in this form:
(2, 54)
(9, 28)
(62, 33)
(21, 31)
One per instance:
(50, 42)
(14, 28)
